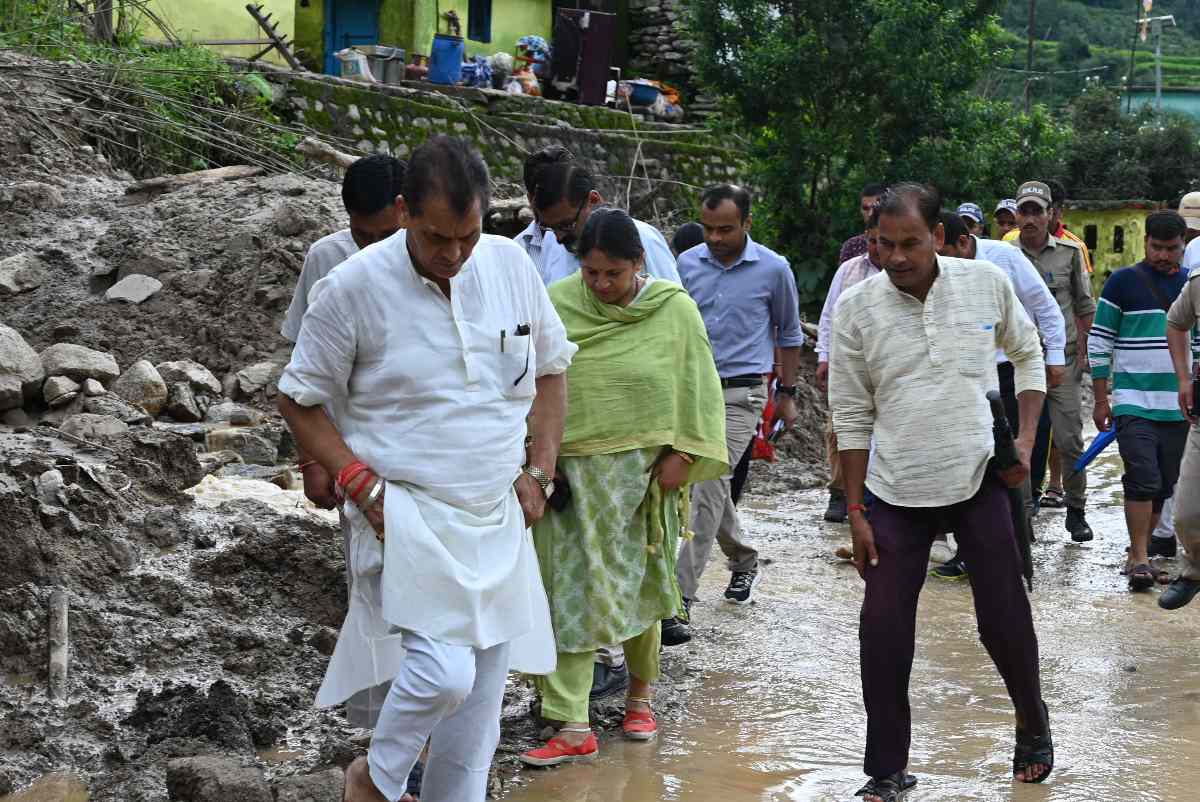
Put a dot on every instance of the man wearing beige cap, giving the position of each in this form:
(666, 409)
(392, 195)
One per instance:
(1189, 210)
(1060, 262)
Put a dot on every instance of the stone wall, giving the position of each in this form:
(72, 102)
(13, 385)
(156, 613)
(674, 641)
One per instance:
(670, 163)
(662, 48)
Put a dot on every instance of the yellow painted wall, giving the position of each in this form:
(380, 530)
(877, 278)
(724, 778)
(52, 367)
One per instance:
(222, 19)
(1104, 259)
(511, 19)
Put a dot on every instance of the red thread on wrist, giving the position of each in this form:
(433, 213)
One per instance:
(303, 466)
(856, 508)
(347, 474)
(360, 485)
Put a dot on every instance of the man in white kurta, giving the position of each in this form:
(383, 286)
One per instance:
(431, 349)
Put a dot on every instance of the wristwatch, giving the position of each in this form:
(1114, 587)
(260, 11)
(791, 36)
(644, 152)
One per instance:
(544, 480)
(790, 390)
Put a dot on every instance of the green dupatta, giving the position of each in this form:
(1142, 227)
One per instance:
(644, 377)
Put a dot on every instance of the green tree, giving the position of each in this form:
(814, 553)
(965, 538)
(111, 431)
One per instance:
(832, 93)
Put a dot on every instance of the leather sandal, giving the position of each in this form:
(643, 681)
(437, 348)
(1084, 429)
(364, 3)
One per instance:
(1034, 749)
(1142, 577)
(889, 789)
(639, 725)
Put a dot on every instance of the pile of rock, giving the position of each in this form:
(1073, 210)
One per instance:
(85, 394)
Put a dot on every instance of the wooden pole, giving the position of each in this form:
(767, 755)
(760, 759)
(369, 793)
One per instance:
(60, 645)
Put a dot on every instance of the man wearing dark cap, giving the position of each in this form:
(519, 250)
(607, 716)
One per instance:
(1060, 262)
(972, 217)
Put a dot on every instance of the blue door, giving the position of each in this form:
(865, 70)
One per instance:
(349, 23)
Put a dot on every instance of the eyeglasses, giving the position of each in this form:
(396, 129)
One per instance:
(567, 228)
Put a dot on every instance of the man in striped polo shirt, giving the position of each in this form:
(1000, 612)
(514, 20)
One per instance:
(1128, 343)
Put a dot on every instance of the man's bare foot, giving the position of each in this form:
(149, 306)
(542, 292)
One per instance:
(359, 787)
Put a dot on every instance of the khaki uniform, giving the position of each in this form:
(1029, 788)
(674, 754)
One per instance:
(1184, 314)
(1060, 264)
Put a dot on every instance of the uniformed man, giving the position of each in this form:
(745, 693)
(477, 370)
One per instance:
(1060, 263)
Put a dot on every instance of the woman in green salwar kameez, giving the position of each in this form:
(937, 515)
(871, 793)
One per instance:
(645, 419)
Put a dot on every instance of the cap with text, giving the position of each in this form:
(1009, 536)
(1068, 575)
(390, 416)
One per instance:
(972, 211)
(1006, 205)
(1189, 210)
(1034, 191)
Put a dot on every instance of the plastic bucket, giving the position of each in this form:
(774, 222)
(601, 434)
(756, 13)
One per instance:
(393, 70)
(643, 94)
(446, 59)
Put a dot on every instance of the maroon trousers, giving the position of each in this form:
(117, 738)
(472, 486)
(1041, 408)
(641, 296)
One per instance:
(887, 627)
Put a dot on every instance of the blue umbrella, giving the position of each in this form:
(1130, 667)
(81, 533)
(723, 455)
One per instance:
(1101, 442)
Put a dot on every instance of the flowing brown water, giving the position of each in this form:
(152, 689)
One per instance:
(778, 712)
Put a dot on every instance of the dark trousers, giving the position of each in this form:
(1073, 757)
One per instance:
(1040, 458)
(887, 627)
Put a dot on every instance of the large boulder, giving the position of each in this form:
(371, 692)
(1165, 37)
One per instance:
(21, 273)
(252, 448)
(117, 407)
(142, 385)
(133, 289)
(59, 390)
(325, 786)
(258, 376)
(181, 404)
(21, 372)
(93, 427)
(199, 377)
(79, 363)
(215, 779)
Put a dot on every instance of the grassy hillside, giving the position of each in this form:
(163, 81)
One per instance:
(1081, 34)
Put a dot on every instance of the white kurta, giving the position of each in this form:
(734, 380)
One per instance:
(558, 262)
(428, 392)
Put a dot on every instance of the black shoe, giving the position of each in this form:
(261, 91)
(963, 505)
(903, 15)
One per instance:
(1178, 593)
(607, 680)
(1077, 525)
(676, 631)
(1162, 547)
(836, 512)
(741, 586)
(954, 570)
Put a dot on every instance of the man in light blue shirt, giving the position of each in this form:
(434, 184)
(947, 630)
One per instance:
(747, 297)
(564, 196)
(534, 237)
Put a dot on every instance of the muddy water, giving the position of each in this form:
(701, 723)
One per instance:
(58, 787)
(778, 714)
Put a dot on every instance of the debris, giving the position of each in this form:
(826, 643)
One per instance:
(235, 414)
(92, 388)
(164, 527)
(252, 448)
(79, 363)
(319, 151)
(167, 183)
(134, 289)
(143, 385)
(21, 370)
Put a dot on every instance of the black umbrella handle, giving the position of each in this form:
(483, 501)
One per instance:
(1006, 444)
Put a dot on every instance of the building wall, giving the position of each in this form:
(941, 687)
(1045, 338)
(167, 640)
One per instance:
(1105, 259)
(411, 24)
(223, 19)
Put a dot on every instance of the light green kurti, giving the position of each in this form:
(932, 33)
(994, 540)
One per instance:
(608, 560)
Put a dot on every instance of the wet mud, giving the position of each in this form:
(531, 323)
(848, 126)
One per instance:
(774, 711)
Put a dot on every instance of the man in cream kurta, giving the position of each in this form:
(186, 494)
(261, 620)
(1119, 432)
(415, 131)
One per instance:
(431, 349)
(914, 354)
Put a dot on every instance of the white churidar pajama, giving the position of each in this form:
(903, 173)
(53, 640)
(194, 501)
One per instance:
(432, 393)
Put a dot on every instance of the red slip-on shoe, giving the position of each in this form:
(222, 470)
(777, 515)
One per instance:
(639, 725)
(558, 751)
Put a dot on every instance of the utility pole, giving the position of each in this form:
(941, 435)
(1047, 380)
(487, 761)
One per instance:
(1029, 56)
(1137, 20)
(1156, 26)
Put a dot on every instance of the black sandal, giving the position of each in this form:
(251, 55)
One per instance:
(889, 789)
(1033, 750)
